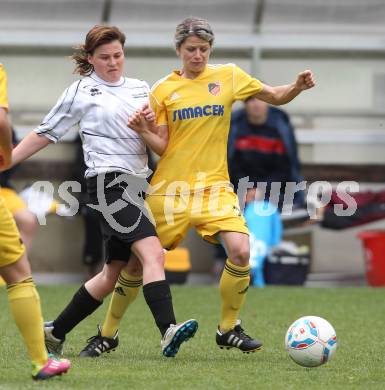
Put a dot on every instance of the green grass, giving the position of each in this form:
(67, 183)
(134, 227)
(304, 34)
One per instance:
(356, 313)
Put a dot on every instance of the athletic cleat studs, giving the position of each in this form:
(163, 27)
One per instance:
(176, 335)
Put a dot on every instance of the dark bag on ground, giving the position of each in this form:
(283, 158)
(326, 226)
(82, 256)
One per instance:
(284, 267)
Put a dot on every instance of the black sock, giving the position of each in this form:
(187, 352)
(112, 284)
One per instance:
(82, 305)
(159, 300)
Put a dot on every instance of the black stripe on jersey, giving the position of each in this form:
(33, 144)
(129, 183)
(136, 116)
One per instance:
(47, 131)
(121, 169)
(113, 166)
(57, 111)
(106, 136)
(118, 154)
(138, 87)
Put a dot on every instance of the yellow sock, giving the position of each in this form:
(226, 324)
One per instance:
(125, 292)
(233, 287)
(25, 307)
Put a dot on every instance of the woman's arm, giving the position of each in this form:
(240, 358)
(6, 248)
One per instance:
(29, 145)
(157, 140)
(143, 122)
(5, 141)
(283, 94)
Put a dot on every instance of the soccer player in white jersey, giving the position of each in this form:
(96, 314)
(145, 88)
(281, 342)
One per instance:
(193, 108)
(101, 104)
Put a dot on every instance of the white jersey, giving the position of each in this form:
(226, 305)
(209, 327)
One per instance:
(101, 110)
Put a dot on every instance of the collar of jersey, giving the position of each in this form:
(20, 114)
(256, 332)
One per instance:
(95, 77)
(203, 74)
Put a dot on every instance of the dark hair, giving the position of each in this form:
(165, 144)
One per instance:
(97, 36)
(193, 27)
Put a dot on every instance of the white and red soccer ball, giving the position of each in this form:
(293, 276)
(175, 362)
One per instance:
(311, 341)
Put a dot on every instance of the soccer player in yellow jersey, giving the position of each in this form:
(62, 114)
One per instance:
(191, 184)
(26, 221)
(23, 298)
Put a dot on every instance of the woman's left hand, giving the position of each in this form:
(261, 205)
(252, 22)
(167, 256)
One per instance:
(148, 113)
(305, 80)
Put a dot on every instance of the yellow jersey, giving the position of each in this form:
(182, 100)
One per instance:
(3, 88)
(197, 113)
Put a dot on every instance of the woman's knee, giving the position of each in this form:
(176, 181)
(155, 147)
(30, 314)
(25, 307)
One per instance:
(155, 259)
(17, 271)
(150, 252)
(239, 254)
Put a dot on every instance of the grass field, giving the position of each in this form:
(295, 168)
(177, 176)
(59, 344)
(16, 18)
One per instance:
(356, 313)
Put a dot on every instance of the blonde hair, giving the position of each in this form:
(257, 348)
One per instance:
(97, 36)
(193, 27)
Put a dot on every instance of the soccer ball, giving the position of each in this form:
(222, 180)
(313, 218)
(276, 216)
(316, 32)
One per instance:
(311, 341)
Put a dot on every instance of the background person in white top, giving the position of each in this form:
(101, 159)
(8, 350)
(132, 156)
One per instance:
(100, 104)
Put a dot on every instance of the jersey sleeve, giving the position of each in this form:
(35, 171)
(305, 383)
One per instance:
(159, 109)
(147, 87)
(3, 88)
(66, 113)
(244, 85)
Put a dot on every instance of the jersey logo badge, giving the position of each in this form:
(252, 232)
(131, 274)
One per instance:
(95, 91)
(174, 96)
(214, 88)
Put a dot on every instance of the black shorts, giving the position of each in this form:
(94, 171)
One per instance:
(128, 221)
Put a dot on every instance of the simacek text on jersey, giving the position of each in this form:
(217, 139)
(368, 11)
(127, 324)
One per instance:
(198, 112)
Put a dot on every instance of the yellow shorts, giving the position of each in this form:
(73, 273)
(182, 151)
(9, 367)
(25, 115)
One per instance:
(11, 246)
(12, 200)
(210, 211)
